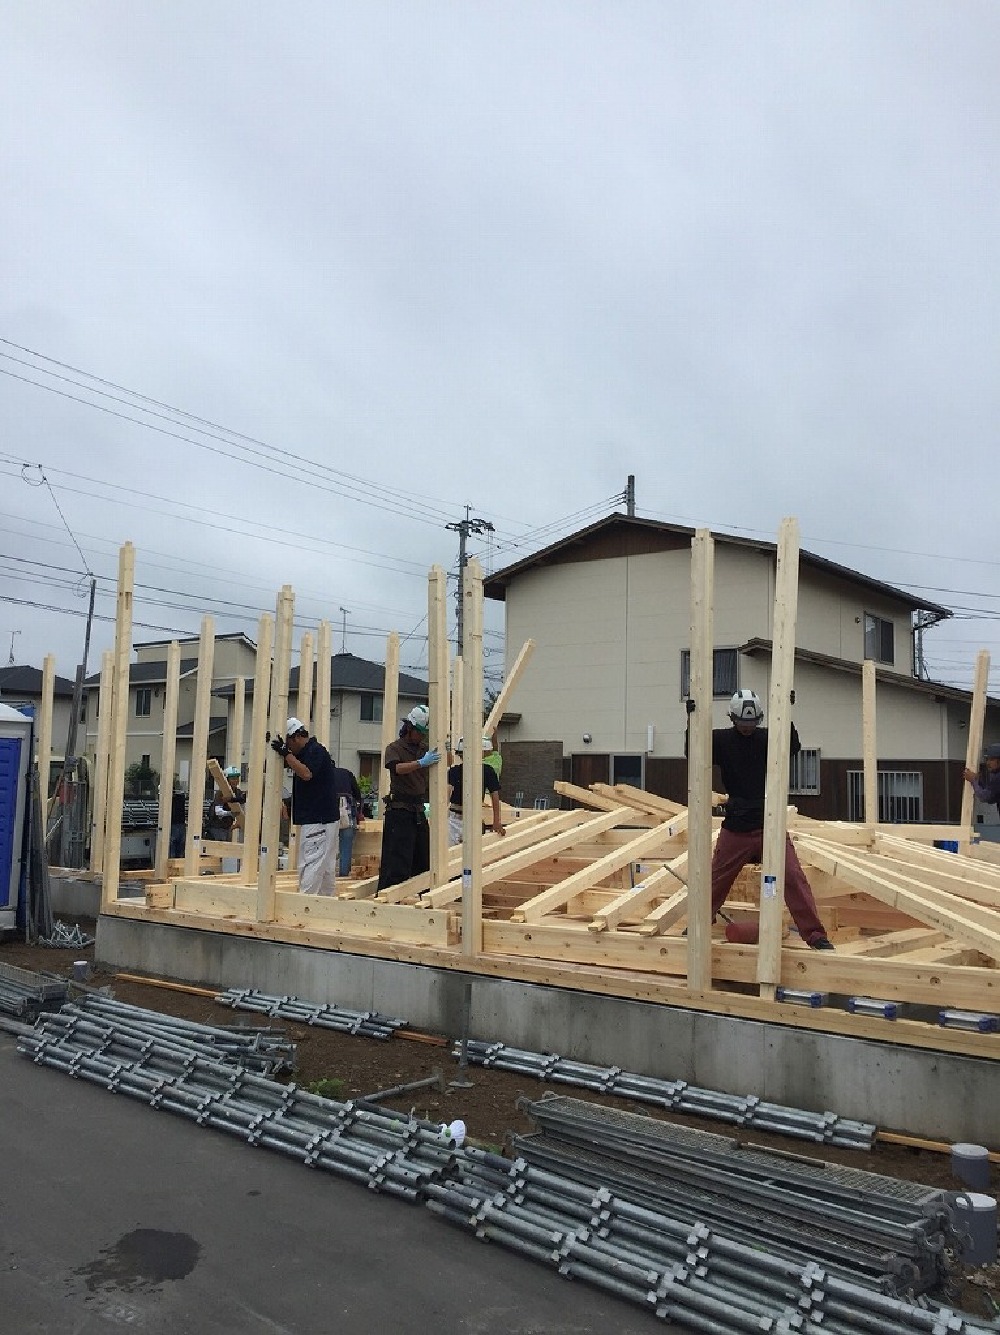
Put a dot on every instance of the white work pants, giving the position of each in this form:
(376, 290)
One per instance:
(318, 848)
(454, 828)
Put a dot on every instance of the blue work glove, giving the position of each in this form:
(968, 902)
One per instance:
(429, 758)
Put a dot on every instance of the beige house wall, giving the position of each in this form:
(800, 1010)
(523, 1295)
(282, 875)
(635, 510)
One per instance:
(609, 636)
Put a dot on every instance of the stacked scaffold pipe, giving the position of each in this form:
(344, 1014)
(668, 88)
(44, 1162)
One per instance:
(99, 1019)
(386, 1151)
(365, 1024)
(712, 1282)
(23, 993)
(826, 1128)
(866, 1228)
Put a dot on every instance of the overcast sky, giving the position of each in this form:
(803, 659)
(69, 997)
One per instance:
(396, 259)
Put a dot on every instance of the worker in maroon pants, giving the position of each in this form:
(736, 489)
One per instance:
(741, 754)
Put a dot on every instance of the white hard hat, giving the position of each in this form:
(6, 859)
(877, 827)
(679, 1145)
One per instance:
(419, 717)
(294, 725)
(745, 707)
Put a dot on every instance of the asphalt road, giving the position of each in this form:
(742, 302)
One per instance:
(117, 1217)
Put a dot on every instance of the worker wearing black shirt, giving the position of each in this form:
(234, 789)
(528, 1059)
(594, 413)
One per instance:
(315, 807)
(741, 754)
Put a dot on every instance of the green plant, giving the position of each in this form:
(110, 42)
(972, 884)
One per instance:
(330, 1087)
(141, 780)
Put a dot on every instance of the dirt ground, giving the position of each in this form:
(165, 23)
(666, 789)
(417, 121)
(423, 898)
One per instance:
(489, 1108)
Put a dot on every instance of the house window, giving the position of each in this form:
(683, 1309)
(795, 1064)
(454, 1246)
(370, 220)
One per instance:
(879, 639)
(900, 796)
(369, 764)
(627, 769)
(724, 674)
(803, 775)
(371, 707)
(143, 701)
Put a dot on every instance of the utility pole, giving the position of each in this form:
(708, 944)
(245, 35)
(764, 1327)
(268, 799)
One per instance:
(343, 632)
(10, 660)
(630, 496)
(463, 527)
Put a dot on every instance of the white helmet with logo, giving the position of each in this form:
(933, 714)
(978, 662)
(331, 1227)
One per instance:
(419, 717)
(745, 707)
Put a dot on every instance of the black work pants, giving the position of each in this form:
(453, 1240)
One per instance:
(406, 846)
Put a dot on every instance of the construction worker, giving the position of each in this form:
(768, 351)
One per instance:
(223, 813)
(741, 754)
(315, 808)
(491, 785)
(988, 788)
(406, 843)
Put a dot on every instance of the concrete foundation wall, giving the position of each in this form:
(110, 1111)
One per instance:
(933, 1094)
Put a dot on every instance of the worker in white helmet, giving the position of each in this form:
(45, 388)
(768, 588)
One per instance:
(491, 785)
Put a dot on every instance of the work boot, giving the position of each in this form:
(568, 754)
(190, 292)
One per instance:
(821, 943)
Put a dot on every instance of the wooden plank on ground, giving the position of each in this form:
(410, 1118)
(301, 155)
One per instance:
(636, 900)
(536, 908)
(969, 923)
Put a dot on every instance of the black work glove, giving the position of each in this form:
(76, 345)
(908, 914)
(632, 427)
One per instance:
(280, 746)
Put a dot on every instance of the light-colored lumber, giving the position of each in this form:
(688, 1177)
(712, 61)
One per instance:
(893, 943)
(472, 772)
(324, 683)
(535, 909)
(253, 811)
(390, 703)
(974, 745)
(234, 734)
(869, 752)
(507, 689)
(225, 788)
(304, 697)
(168, 755)
(649, 803)
(99, 801)
(960, 919)
(438, 703)
(457, 703)
(779, 729)
(111, 869)
(635, 901)
(699, 749)
(274, 765)
(43, 737)
(199, 746)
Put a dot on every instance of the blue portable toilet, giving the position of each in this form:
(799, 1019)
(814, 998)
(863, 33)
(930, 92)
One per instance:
(15, 769)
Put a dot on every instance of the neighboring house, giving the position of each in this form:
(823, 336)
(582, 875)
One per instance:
(603, 697)
(22, 686)
(356, 694)
(235, 656)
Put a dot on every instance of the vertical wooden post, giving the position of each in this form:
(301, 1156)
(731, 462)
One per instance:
(99, 797)
(437, 685)
(274, 766)
(303, 711)
(974, 747)
(168, 752)
(234, 737)
(111, 873)
(457, 695)
(303, 701)
(44, 736)
(390, 702)
(323, 685)
(779, 735)
(258, 751)
(869, 753)
(199, 748)
(699, 870)
(472, 760)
